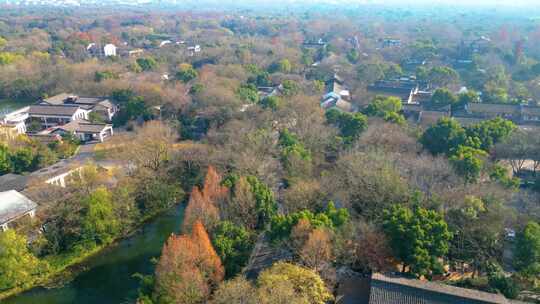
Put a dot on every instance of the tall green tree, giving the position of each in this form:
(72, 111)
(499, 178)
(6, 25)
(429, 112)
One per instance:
(5, 163)
(350, 125)
(186, 73)
(17, 265)
(233, 244)
(443, 97)
(468, 162)
(491, 132)
(527, 254)
(442, 76)
(22, 160)
(443, 137)
(418, 237)
(99, 222)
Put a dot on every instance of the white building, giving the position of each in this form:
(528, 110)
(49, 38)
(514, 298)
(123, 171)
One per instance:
(53, 115)
(13, 206)
(109, 50)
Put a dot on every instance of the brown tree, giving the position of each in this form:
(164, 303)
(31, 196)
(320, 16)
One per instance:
(242, 206)
(188, 268)
(300, 234)
(199, 208)
(204, 205)
(317, 251)
(213, 190)
(372, 251)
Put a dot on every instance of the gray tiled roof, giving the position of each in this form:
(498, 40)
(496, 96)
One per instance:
(13, 182)
(13, 205)
(62, 99)
(531, 110)
(83, 126)
(491, 108)
(49, 110)
(397, 290)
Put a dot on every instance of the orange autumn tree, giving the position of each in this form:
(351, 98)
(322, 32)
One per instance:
(188, 269)
(213, 190)
(203, 205)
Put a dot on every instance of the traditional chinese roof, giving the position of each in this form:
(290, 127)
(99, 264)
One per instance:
(53, 110)
(83, 126)
(396, 290)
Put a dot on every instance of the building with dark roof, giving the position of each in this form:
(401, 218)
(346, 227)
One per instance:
(101, 105)
(354, 288)
(13, 182)
(85, 130)
(53, 115)
(492, 110)
(337, 95)
(402, 89)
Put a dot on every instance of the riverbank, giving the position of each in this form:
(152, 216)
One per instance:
(65, 267)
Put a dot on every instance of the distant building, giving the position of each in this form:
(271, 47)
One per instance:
(14, 122)
(96, 50)
(314, 44)
(101, 105)
(530, 114)
(13, 206)
(269, 91)
(492, 110)
(60, 110)
(403, 88)
(109, 50)
(391, 42)
(337, 95)
(85, 130)
(193, 50)
(132, 53)
(164, 43)
(480, 45)
(57, 174)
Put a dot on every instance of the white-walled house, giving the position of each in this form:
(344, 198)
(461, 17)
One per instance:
(14, 122)
(85, 130)
(99, 51)
(52, 115)
(109, 50)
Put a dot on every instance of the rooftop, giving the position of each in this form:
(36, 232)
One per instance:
(13, 182)
(13, 205)
(53, 110)
(493, 108)
(396, 289)
(83, 126)
(68, 98)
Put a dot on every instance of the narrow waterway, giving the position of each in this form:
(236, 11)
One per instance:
(108, 278)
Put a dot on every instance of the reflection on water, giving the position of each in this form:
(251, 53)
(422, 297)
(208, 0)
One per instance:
(109, 276)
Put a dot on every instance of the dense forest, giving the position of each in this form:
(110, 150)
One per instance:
(324, 190)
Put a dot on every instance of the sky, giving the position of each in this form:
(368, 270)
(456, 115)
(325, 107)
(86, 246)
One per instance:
(458, 2)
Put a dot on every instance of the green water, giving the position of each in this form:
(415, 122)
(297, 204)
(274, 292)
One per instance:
(108, 278)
